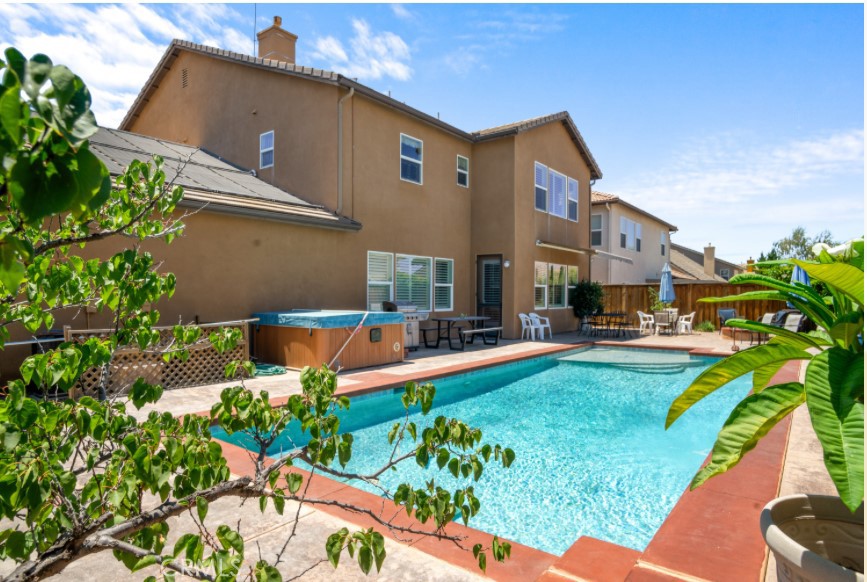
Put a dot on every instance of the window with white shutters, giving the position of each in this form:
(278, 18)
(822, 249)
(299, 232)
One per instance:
(541, 286)
(444, 284)
(412, 280)
(573, 200)
(541, 187)
(380, 279)
(556, 286)
(557, 194)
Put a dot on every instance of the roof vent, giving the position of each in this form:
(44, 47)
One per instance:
(185, 78)
(277, 44)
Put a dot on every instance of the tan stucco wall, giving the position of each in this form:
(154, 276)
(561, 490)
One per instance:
(647, 264)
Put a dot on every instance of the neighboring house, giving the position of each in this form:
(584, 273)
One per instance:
(631, 244)
(688, 264)
(495, 222)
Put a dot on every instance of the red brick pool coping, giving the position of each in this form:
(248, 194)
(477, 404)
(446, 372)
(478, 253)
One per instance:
(712, 533)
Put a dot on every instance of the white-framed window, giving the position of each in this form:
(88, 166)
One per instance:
(627, 233)
(541, 180)
(411, 158)
(444, 289)
(725, 274)
(571, 282)
(463, 171)
(266, 150)
(596, 230)
(572, 210)
(541, 286)
(380, 279)
(412, 280)
(662, 241)
(556, 286)
(557, 193)
(638, 237)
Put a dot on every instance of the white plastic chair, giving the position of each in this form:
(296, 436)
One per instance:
(541, 323)
(684, 323)
(645, 323)
(528, 328)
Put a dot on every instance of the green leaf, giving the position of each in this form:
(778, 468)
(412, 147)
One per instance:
(230, 539)
(762, 376)
(835, 398)
(847, 279)
(792, 338)
(202, 508)
(724, 371)
(294, 481)
(750, 420)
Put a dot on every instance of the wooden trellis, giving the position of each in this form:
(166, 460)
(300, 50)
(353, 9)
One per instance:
(204, 366)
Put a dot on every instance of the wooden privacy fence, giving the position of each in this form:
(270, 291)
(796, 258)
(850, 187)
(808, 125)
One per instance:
(204, 366)
(631, 298)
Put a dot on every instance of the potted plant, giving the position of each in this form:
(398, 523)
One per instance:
(813, 537)
(586, 299)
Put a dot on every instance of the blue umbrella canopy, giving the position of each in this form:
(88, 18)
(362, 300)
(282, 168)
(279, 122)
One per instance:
(799, 275)
(666, 285)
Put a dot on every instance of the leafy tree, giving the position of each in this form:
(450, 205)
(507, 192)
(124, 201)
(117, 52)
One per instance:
(795, 246)
(84, 476)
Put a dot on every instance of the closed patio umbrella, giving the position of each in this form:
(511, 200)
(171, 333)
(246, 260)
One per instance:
(799, 275)
(666, 285)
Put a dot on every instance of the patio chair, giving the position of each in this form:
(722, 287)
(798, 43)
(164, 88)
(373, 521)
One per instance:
(793, 321)
(541, 324)
(528, 328)
(645, 323)
(662, 322)
(684, 323)
(725, 315)
(760, 337)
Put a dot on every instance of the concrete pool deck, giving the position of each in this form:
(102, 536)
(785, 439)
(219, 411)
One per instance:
(712, 534)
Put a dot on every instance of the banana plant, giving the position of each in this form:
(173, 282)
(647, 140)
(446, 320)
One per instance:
(833, 387)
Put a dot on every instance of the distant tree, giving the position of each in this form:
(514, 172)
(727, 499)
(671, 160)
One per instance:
(795, 246)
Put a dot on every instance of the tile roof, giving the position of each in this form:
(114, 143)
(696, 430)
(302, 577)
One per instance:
(333, 78)
(210, 181)
(686, 250)
(597, 197)
(682, 267)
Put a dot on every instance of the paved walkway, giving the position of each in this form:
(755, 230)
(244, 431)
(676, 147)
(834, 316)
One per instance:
(267, 532)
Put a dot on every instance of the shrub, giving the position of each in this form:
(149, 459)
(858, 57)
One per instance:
(705, 326)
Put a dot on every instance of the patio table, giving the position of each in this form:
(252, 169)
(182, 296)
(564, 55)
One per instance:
(450, 322)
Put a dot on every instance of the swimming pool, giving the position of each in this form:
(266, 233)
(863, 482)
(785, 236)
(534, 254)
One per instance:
(592, 455)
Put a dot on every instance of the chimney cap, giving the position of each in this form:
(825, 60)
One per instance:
(278, 21)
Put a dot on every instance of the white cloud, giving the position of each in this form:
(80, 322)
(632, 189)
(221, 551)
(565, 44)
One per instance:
(370, 55)
(115, 48)
(736, 188)
(402, 12)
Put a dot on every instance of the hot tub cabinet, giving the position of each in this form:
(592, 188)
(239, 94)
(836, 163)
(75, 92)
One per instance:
(299, 338)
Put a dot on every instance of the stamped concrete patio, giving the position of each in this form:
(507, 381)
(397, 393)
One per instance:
(265, 534)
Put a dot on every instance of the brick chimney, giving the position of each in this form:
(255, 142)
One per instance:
(277, 44)
(709, 261)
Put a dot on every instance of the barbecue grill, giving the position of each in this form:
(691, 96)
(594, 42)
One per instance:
(412, 316)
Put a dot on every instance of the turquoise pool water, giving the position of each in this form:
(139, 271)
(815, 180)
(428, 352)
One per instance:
(592, 455)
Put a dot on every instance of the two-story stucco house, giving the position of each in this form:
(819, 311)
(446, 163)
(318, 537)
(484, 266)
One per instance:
(493, 222)
(631, 244)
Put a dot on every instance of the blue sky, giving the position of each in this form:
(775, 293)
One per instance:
(736, 123)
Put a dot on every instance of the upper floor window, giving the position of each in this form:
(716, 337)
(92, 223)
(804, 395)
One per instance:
(596, 230)
(541, 187)
(266, 150)
(463, 171)
(557, 194)
(573, 200)
(725, 274)
(410, 159)
(630, 235)
(662, 241)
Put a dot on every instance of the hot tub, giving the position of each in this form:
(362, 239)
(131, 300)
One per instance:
(302, 337)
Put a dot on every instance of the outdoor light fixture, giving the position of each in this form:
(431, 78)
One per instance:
(507, 264)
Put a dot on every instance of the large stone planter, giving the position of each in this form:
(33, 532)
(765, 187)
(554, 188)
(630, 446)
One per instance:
(814, 538)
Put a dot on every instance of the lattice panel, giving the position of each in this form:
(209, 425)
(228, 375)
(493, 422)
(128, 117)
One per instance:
(204, 365)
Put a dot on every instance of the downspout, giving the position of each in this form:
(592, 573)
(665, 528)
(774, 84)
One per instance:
(340, 148)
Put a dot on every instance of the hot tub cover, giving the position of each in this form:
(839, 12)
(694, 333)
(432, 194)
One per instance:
(308, 318)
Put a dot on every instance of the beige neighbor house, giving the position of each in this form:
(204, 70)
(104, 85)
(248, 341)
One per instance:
(631, 244)
(691, 265)
(494, 222)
